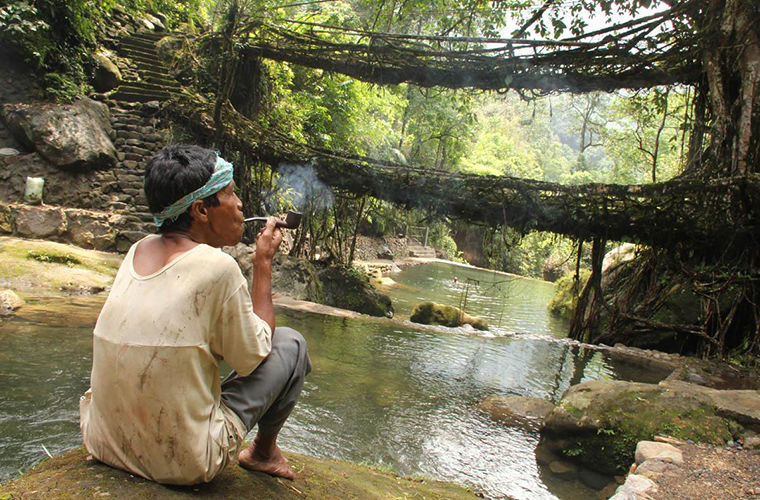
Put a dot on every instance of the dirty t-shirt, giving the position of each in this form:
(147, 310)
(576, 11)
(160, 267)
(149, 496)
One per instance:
(154, 404)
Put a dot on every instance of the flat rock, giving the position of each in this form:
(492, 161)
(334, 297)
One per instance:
(648, 450)
(635, 486)
(72, 475)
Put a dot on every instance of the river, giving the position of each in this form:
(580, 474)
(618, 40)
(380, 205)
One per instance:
(384, 393)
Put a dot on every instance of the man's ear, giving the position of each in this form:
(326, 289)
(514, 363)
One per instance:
(199, 211)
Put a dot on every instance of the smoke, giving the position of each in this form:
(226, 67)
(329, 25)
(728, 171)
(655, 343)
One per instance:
(299, 185)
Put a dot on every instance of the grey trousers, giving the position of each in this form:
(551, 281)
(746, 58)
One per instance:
(267, 396)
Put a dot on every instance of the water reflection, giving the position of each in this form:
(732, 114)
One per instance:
(380, 393)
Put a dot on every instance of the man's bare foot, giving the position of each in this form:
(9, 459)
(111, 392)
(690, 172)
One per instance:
(274, 464)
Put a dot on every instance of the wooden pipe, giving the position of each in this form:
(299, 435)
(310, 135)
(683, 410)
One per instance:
(292, 220)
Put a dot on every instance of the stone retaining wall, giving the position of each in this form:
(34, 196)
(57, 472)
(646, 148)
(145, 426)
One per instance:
(99, 208)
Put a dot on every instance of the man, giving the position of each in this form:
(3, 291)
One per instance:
(178, 306)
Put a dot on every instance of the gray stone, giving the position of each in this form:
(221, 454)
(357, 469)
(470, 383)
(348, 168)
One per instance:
(106, 75)
(89, 229)
(654, 467)
(155, 21)
(9, 302)
(517, 410)
(635, 487)
(9, 152)
(40, 222)
(75, 135)
(648, 450)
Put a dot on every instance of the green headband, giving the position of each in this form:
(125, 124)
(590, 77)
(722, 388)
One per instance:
(219, 179)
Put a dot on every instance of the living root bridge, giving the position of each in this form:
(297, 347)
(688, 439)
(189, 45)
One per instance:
(594, 61)
(717, 218)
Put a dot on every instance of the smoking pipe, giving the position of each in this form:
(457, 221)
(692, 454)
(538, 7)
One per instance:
(291, 221)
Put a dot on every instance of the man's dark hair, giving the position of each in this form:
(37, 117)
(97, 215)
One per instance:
(174, 172)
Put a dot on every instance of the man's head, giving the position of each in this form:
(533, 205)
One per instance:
(177, 179)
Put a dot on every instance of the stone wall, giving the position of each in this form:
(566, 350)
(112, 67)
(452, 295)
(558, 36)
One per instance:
(93, 207)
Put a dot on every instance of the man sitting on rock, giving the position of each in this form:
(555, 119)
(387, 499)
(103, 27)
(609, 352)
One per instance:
(178, 306)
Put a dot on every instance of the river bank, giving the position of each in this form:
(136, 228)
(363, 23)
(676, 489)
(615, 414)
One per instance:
(49, 287)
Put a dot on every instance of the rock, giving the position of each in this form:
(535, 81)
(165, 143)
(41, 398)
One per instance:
(40, 222)
(296, 278)
(655, 467)
(635, 487)
(107, 75)
(155, 21)
(88, 230)
(599, 423)
(648, 450)
(9, 302)
(385, 253)
(72, 476)
(563, 469)
(76, 135)
(9, 152)
(430, 313)
(168, 47)
(593, 479)
(517, 410)
(348, 288)
(617, 257)
(750, 440)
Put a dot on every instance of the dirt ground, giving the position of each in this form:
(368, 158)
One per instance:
(711, 472)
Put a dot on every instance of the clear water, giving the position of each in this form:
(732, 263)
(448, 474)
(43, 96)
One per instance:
(384, 393)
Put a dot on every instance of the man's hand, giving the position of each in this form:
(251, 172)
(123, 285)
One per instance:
(268, 241)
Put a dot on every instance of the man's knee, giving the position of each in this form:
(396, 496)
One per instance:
(291, 345)
(284, 335)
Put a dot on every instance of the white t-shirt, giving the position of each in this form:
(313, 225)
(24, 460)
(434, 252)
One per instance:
(154, 404)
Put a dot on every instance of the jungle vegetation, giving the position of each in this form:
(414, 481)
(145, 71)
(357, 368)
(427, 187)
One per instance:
(635, 106)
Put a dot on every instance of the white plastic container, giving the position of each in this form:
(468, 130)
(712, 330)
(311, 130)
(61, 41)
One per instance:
(33, 192)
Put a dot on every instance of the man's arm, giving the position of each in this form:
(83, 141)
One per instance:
(267, 243)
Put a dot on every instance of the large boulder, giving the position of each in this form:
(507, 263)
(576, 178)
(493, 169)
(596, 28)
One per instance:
(70, 136)
(107, 75)
(599, 423)
(348, 288)
(430, 313)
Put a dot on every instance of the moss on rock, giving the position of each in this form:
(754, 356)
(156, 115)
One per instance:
(566, 292)
(599, 423)
(430, 313)
(72, 475)
(348, 288)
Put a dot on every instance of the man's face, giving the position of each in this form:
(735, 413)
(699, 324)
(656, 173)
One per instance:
(225, 222)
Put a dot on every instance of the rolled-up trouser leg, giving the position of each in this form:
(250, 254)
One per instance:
(269, 393)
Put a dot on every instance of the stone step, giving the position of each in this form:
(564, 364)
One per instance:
(127, 49)
(159, 78)
(150, 86)
(139, 54)
(130, 96)
(137, 43)
(420, 251)
(149, 64)
(151, 35)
